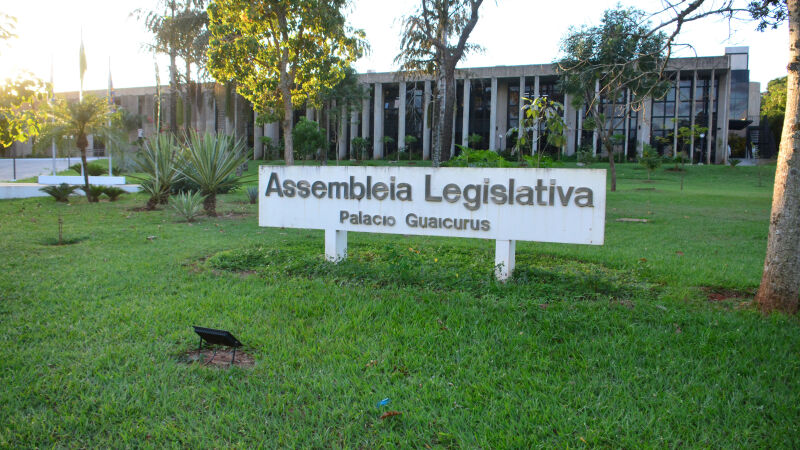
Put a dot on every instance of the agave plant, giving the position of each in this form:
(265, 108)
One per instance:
(252, 194)
(209, 162)
(158, 158)
(60, 192)
(188, 205)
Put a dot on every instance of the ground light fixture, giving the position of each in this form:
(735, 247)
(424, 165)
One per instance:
(217, 337)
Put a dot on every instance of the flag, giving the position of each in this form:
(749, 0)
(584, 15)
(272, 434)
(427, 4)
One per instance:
(82, 61)
(111, 104)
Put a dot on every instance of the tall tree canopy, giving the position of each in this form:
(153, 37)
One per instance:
(603, 63)
(773, 106)
(281, 53)
(434, 41)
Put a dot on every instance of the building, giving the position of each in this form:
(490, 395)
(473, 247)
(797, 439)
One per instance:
(713, 92)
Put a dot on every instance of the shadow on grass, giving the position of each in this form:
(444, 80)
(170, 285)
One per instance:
(67, 241)
(437, 268)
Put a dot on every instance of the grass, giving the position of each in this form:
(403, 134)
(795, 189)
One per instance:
(612, 346)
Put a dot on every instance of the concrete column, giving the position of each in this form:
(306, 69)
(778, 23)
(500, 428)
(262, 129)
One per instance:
(580, 129)
(377, 135)
(693, 112)
(465, 113)
(365, 126)
(644, 127)
(595, 133)
(535, 143)
(504, 258)
(258, 131)
(493, 117)
(675, 116)
(401, 118)
(343, 133)
(521, 112)
(712, 93)
(627, 122)
(309, 113)
(353, 132)
(570, 128)
(272, 130)
(426, 123)
(723, 108)
(453, 133)
(335, 245)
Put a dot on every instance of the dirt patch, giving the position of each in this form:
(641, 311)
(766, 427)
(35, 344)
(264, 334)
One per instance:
(233, 215)
(141, 209)
(722, 294)
(645, 189)
(218, 358)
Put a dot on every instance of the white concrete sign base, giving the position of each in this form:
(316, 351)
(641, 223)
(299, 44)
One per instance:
(77, 179)
(506, 205)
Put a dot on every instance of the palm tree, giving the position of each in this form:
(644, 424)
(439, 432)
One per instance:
(210, 162)
(77, 120)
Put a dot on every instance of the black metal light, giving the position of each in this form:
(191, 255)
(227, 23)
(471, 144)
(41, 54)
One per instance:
(217, 337)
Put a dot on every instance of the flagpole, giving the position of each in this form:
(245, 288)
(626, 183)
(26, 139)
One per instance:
(52, 114)
(111, 105)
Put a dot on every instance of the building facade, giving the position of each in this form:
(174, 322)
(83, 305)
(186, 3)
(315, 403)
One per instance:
(712, 92)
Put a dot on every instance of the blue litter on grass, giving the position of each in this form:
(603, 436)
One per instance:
(383, 402)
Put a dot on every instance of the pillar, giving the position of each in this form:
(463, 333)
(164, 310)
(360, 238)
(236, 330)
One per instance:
(493, 117)
(504, 258)
(309, 113)
(465, 113)
(365, 125)
(426, 123)
(258, 131)
(353, 132)
(343, 132)
(535, 143)
(401, 118)
(693, 113)
(377, 135)
(335, 245)
(627, 123)
(723, 108)
(644, 127)
(712, 93)
(675, 116)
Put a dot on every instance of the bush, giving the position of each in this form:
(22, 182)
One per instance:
(360, 146)
(252, 194)
(158, 158)
(477, 158)
(113, 192)
(540, 160)
(93, 192)
(61, 192)
(650, 159)
(308, 138)
(586, 157)
(93, 169)
(188, 205)
(734, 162)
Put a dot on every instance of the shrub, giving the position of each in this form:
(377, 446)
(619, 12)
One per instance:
(477, 158)
(158, 159)
(308, 138)
(586, 157)
(650, 159)
(188, 205)
(94, 170)
(360, 146)
(734, 162)
(113, 192)
(210, 163)
(252, 194)
(61, 192)
(93, 192)
(540, 160)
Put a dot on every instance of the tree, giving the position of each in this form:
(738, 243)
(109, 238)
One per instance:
(773, 106)
(79, 119)
(19, 116)
(281, 53)
(434, 41)
(540, 116)
(604, 64)
(341, 101)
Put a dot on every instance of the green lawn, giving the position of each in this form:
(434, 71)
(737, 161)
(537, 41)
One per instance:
(612, 346)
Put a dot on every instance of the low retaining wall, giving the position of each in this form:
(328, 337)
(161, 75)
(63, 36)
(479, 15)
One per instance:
(28, 190)
(77, 179)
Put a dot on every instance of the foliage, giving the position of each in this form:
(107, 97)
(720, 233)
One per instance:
(158, 159)
(209, 162)
(773, 106)
(539, 161)
(619, 57)
(360, 147)
(188, 205)
(477, 158)
(474, 140)
(650, 159)
(734, 162)
(95, 170)
(281, 54)
(60, 192)
(585, 157)
(271, 149)
(388, 142)
(540, 115)
(93, 192)
(433, 42)
(113, 192)
(308, 138)
(252, 194)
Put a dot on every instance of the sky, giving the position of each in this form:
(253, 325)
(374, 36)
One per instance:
(511, 32)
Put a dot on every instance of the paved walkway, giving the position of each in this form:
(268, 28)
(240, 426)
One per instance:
(33, 167)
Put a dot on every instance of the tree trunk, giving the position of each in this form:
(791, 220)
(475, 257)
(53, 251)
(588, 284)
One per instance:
(288, 115)
(187, 104)
(210, 205)
(173, 96)
(439, 125)
(449, 106)
(780, 282)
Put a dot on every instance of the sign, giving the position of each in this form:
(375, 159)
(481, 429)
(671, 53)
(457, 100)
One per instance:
(544, 205)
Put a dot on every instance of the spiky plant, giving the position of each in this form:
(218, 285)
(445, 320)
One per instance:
(93, 192)
(188, 205)
(158, 159)
(113, 192)
(252, 194)
(209, 162)
(60, 192)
